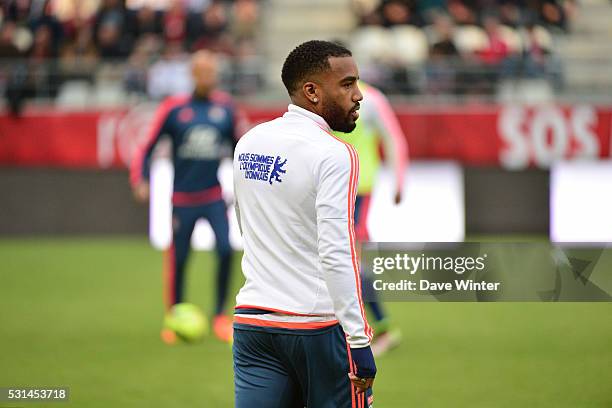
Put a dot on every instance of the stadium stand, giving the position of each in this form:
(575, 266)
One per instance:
(107, 52)
(48, 48)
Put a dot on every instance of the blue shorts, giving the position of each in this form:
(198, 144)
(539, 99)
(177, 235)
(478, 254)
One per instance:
(282, 368)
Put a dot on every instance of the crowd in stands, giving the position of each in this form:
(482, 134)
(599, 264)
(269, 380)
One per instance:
(403, 46)
(458, 46)
(555, 14)
(58, 40)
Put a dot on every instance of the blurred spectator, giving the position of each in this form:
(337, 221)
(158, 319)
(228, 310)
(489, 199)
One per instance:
(76, 18)
(553, 14)
(8, 49)
(245, 16)
(570, 9)
(43, 46)
(40, 74)
(397, 12)
(483, 77)
(12, 72)
(18, 11)
(110, 24)
(497, 49)
(443, 57)
(52, 29)
(145, 21)
(245, 73)
(175, 23)
(367, 11)
(110, 39)
(533, 61)
(170, 75)
(208, 30)
(534, 53)
(135, 74)
(461, 13)
(442, 36)
(42, 63)
(78, 54)
(510, 13)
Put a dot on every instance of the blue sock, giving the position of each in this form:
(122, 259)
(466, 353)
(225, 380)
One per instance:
(377, 310)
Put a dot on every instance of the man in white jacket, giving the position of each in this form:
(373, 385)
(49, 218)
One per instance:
(301, 337)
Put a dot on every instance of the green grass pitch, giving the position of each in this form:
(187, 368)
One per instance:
(86, 313)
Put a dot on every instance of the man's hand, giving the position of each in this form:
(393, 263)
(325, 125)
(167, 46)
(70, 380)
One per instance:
(365, 366)
(362, 384)
(141, 192)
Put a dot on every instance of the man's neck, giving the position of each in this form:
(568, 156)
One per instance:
(304, 105)
(201, 94)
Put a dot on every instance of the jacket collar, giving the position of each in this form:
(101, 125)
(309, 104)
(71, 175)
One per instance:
(296, 111)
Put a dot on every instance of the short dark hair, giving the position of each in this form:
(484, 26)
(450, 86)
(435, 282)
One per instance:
(309, 58)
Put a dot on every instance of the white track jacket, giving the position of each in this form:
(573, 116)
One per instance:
(295, 187)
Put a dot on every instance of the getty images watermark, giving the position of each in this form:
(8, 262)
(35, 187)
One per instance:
(413, 264)
(535, 271)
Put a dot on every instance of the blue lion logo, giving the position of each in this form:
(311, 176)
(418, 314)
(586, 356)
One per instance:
(277, 170)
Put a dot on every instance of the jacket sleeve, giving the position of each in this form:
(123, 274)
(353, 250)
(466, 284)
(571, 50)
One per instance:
(141, 161)
(337, 180)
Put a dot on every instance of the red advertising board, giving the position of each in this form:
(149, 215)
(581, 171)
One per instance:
(509, 136)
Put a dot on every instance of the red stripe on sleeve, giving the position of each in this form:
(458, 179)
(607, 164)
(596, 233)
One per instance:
(353, 179)
(351, 208)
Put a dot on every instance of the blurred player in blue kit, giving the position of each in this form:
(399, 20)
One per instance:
(203, 128)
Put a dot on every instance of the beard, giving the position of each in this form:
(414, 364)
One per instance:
(337, 118)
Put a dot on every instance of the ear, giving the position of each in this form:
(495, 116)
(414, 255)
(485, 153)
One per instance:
(311, 92)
